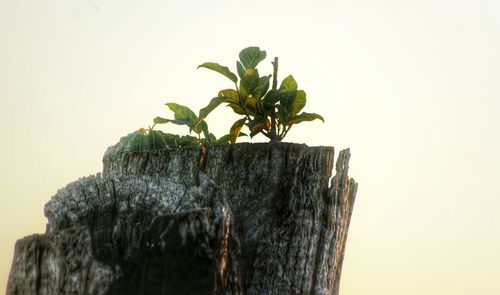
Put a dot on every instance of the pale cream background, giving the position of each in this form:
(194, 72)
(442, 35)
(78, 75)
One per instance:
(412, 87)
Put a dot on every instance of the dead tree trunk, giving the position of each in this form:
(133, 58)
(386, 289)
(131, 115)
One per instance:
(259, 219)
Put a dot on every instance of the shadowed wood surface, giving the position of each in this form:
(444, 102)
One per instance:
(257, 219)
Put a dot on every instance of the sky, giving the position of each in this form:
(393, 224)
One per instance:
(411, 87)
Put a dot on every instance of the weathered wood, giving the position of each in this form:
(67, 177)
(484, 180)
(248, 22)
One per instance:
(262, 219)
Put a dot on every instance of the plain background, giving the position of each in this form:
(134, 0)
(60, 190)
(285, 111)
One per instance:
(412, 87)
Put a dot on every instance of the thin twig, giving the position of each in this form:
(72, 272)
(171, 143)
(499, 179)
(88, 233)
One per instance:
(273, 135)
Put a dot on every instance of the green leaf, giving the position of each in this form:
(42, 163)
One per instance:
(287, 99)
(156, 140)
(182, 112)
(223, 139)
(289, 83)
(174, 140)
(198, 127)
(185, 121)
(251, 105)
(220, 69)
(230, 95)
(135, 141)
(160, 120)
(202, 127)
(251, 56)
(299, 103)
(214, 102)
(264, 85)
(256, 130)
(212, 139)
(240, 69)
(249, 82)
(235, 130)
(272, 97)
(237, 108)
(303, 117)
(254, 122)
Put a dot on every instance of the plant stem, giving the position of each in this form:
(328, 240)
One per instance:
(285, 132)
(275, 73)
(273, 135)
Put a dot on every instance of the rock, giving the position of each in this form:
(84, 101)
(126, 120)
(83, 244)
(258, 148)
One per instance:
(257, 219)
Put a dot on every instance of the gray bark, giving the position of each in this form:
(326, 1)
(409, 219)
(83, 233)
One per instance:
(256, 219)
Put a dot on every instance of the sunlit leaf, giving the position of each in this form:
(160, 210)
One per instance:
(198, 127)
(235, 130)
(299, 103)
(289, 83)
(214, 102)
(251, 56)
(303, 117)
(249, 82)
(220, 69)
(252, 106)
(229, 94)
(182, 112)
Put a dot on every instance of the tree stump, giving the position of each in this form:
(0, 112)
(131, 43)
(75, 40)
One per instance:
(255, 219)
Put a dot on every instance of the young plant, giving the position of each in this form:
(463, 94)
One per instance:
(185, 116)
(269, 112)
(147, 140)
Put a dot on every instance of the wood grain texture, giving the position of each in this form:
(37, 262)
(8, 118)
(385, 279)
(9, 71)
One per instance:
(259, 219)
